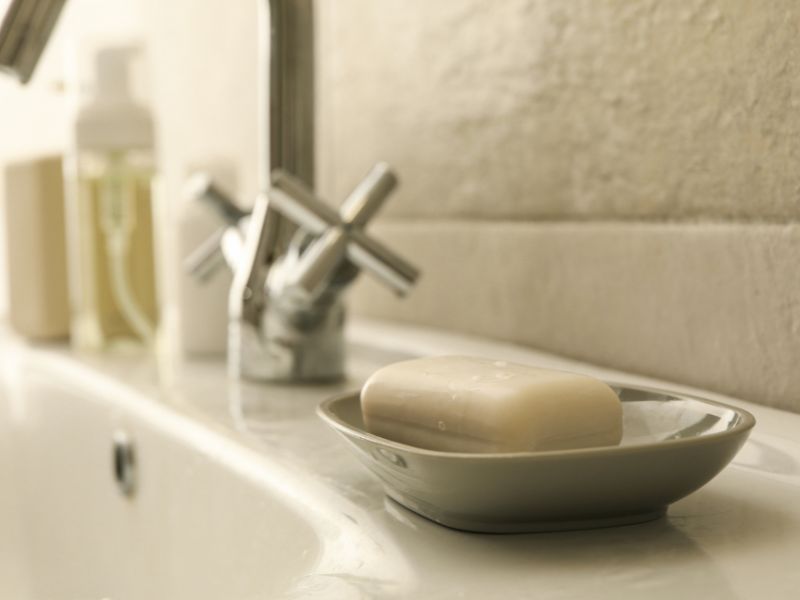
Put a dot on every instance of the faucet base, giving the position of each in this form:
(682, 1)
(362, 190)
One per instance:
(300, 350)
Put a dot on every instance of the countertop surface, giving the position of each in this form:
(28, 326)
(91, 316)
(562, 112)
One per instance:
(737, 537)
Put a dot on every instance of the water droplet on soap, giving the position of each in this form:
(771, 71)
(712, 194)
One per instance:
(442, 426)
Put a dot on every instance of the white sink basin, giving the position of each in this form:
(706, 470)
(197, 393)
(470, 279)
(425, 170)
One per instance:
(243, 493)
(209, 518)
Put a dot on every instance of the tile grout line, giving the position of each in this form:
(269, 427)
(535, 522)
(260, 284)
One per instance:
(675, 223)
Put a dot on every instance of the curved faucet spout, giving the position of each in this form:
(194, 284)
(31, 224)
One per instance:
(286, 140)
(25, 27)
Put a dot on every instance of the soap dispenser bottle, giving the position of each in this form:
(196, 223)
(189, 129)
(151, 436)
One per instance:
(109, 176)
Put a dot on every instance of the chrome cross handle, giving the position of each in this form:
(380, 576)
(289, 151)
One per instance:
(340, 236)
(210, 256)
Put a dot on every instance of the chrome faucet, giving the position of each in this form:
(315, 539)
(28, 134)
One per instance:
(285, 312)
(286, 316)
(26, 26)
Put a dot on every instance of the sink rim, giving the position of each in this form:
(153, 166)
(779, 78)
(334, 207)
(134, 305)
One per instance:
(743, 423)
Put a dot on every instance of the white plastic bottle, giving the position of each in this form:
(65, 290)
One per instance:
(109, 187)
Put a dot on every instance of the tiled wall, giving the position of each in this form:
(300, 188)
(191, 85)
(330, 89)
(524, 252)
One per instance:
(568, 110)
(613, 180)
(616, 181)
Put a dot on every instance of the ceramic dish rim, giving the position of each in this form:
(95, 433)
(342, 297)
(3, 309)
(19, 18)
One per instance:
(745, 423)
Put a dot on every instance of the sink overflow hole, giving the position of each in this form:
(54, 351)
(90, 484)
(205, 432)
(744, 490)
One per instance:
(124, 463)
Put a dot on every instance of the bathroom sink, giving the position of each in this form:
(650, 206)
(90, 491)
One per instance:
(207, 517)
(241, 492)
(198, 526)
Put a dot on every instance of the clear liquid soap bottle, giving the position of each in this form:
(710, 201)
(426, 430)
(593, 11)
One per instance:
(109, 179)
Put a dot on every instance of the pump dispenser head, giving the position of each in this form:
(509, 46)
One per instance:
(110, 117)
(113, 72)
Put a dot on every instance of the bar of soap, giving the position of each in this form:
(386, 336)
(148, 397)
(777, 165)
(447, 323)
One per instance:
(464, 404)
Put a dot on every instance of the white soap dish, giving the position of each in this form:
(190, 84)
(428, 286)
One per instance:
(672, 444)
